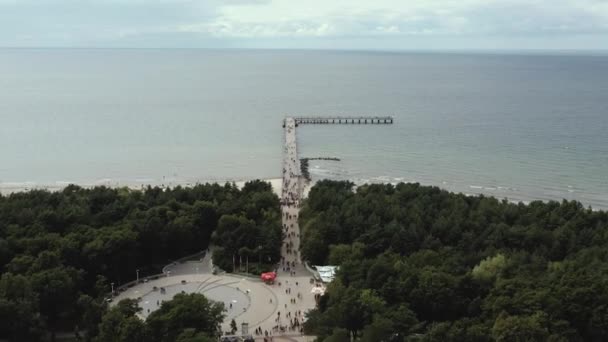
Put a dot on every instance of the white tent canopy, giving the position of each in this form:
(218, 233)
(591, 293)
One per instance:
(327, 273)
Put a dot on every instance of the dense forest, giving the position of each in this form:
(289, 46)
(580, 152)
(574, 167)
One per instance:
(60, 251)
(420, 264)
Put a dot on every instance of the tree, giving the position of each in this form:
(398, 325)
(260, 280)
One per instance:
(340, 253)
(470, 268)
(90, 313)
(520, 328)
(57, 294)
(185, 311)
(19, 320)
(489, 268)
(381, 329)
(339, 335)
(191, 335)
(119, 324)
(72, 244)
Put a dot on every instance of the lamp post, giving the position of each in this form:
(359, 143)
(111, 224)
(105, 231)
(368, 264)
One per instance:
(137, 272)
(112, 284)
(260, 259)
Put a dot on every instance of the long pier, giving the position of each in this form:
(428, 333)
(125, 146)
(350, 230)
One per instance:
(333, 120)
(321, 158)
(296, 175)
(291, 165)
(295, 178)
(291, 194)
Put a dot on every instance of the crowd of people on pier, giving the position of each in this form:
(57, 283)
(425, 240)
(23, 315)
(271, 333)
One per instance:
(290, 194)
(291, 321)
(290, 200)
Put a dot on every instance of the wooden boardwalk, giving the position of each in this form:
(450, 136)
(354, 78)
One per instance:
(291, 191)
(294, 180)
(295, 177)
(336, 120)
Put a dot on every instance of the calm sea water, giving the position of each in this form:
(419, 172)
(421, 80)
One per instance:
(517, 126)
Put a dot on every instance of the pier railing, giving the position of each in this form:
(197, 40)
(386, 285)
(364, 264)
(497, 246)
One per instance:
(328, 120)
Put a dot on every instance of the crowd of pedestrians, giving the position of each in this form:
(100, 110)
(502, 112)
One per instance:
(289, 317)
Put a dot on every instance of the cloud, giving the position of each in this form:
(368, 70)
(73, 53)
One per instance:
(217, 22)
(285, 18)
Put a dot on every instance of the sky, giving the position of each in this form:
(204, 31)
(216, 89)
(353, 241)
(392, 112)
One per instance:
(307, 24)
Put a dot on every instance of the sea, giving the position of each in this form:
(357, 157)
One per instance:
(517, 126)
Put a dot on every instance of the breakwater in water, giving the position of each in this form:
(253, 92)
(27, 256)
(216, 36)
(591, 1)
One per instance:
(304, 165)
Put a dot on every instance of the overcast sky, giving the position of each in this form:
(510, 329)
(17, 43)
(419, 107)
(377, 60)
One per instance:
(342, 24)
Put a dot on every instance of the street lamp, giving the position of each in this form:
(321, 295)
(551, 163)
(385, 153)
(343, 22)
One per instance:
(112, 284)
(259, 259)
(137, 272)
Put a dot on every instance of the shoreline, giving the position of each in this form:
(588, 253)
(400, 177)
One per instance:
(17, 187)
(8, 188)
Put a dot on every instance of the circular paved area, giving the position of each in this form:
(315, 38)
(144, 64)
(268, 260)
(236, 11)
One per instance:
(235, 301)
(252, 301)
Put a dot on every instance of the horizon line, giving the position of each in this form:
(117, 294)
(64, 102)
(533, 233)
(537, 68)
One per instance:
(380, 50)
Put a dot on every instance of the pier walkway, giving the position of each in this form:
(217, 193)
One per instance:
(294, 180)
(328, 120)
(292, 272)
(291, 191)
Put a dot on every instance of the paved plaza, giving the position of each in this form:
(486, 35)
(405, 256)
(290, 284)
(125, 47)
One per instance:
(246, 300)
(274, 309)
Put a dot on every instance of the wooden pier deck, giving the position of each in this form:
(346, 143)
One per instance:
(336, 120)
(291, 165)
(295, 176)
(345, 120)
